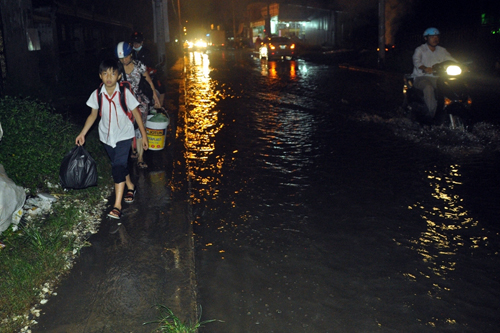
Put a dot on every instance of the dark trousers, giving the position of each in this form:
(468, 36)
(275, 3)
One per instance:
(119, 159)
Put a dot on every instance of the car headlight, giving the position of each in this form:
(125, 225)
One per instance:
(201, 43)
(453, 70)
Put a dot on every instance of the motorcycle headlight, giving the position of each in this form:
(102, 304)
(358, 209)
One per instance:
(453, 70)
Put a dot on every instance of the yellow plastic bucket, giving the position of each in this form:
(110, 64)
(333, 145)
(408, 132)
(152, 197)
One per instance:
(156, 130)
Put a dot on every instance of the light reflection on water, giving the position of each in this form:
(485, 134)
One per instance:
(202, 125)
(450, 231)
(276, 69)
(285, 129)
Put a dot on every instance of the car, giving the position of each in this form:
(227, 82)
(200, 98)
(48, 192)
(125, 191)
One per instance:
(277, 48)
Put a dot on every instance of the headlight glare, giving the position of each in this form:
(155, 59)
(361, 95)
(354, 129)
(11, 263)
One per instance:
(453, 70)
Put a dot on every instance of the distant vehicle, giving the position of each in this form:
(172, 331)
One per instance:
(217, 39)
(277, 48)
(195, 45)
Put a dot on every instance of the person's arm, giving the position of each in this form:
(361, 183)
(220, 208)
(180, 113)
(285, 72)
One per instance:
(417, 61)
(155, 96)
(80, 139)
(138, 119)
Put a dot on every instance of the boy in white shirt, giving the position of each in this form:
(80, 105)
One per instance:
(116, 131)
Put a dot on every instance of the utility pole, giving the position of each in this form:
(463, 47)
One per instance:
(267, 25)
(181, 32)
(234, 22)
(161, 31)
(381, 33)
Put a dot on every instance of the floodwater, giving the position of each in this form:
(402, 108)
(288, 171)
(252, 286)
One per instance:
(316, 208)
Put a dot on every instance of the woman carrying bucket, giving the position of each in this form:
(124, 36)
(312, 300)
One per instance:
(133, 71)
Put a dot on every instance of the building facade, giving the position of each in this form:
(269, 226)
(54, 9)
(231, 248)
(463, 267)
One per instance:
(311, 25)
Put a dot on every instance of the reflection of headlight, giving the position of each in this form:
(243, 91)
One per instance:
(292, 46)
(201, 43)
(453, 70)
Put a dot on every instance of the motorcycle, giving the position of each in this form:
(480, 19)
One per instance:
(452, 95)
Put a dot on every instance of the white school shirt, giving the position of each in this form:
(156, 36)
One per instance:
(424, 56)
(115, 125)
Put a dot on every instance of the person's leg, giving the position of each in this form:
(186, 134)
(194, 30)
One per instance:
(140, 155)
(428, 86)
(133, 154)
(119, 189)
(119, 170)
(129, 194)
(140, 151)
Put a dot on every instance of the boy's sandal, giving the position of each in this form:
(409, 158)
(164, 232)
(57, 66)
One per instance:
(129, 196)
(142, 165)
(134, 155)
(115, 213)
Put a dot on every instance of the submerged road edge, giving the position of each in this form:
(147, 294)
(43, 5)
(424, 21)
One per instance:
(182, 247)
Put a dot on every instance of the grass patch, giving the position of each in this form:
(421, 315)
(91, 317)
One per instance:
(168, 322)
(43, 248)
(34, 253)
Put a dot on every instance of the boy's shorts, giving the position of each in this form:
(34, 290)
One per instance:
(119, 159)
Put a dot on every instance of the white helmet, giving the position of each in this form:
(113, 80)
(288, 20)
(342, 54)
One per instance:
(122, 50)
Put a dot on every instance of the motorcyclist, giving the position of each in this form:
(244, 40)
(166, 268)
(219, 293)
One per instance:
(424, 57)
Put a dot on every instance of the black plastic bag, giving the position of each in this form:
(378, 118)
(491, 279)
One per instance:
(78, 169)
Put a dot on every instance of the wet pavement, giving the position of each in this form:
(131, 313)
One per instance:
(294, 198)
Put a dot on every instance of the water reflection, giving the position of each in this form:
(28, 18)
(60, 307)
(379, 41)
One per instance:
(286, 142)
(450, 229)
(286, 123)
(202, 125)
(277, 69)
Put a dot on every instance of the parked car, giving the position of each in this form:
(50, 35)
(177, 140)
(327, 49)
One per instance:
(277, 48)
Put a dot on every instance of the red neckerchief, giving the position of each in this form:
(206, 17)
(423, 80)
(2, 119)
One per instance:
(110, 100)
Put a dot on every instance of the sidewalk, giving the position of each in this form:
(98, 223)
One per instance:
(146, 260)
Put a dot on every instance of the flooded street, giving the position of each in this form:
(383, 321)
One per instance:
(294, 197)
(313, 214)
